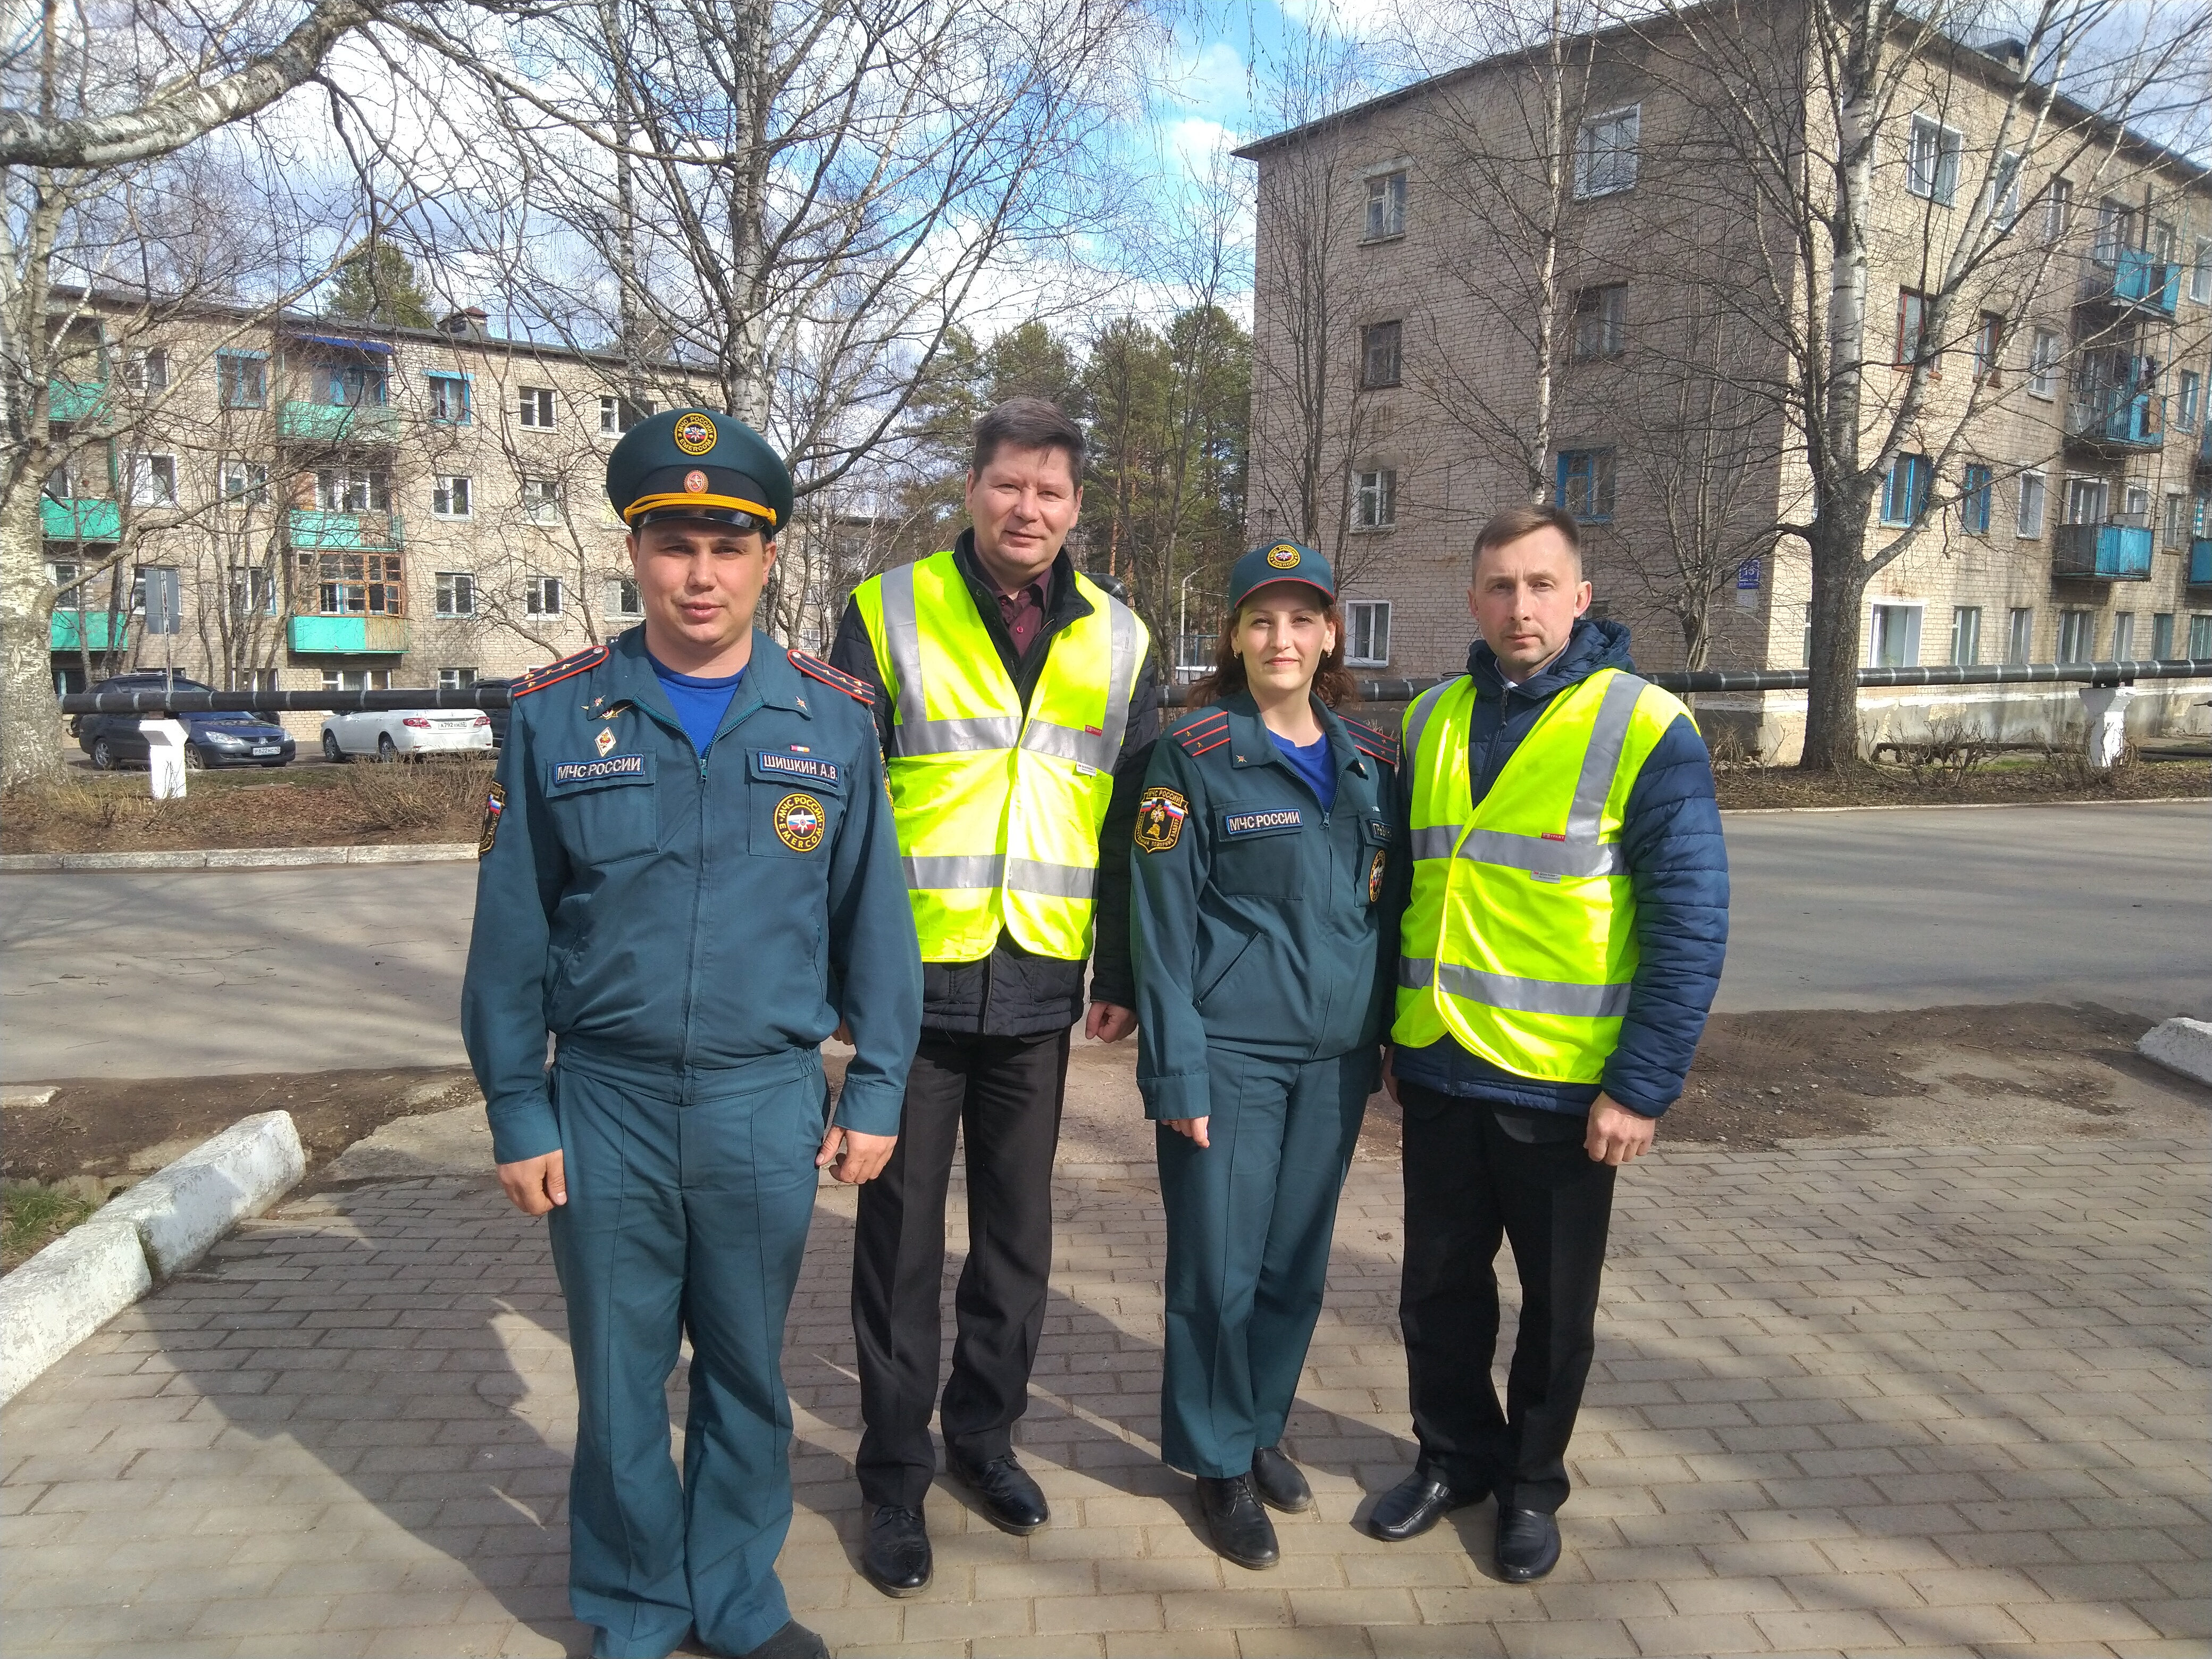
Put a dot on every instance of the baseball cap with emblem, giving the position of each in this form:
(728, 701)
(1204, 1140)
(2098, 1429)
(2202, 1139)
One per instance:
(1279, 561)
(692, 464)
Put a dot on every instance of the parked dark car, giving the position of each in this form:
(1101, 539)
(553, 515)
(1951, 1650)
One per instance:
(499, 716)
(114, 740)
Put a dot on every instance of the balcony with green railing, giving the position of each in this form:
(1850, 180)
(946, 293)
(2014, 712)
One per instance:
(2122, 418)
(317, 528)
(79, 519)
(96, 632)
(2102, 552)
(302, 422)
(358, 635)
(73, 400)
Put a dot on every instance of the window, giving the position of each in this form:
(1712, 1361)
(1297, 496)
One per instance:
(2077, 636)
(147, 369)
(1367, 633)
(1893, 641)
(356, 679)
(1932, 161)
(450, 495)
(252, 679)
(456, 679)
(1386, 206)
(2043, 364)
(1974, 499)
(2116, 230)
(2029, 523)
(246, 482)
(1378, 353)
(1599, 313)
(449, 399)
(354, 584)
(622, 597)
(2019, 633)
(1585, 483)
(2138, 508)
(2189, 392)
(541, 596)
(2057, 209)
(353, 385)
(2161, 635)
(1989, 348)
(352, 490)
(2200, 277)
(1905, 492)
(63, 573)
(2124, 637)
(457, 593)
(2004, 192)
(1915, 316)
(241, 379)
(252, 590)
(2177, 519)
(153, 480)
(618, 415)
(1967, 635)
(541, 500)
(2163, 241)
(2085, 500)
(2200, 636)
(1604, 154)
(537, 406)
(1375, 500)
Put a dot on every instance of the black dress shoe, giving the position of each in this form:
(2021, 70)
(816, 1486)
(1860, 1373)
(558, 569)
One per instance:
(1416, 1503)
(793, 1641)
(895, 1555)
(1279, 1485)
(1012, 1500)
(1528, 1544)
(1235, 1522)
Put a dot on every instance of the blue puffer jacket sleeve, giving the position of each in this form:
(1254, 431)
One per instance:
(1678, 865)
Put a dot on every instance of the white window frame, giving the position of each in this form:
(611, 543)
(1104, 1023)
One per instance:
(2200, 633)
(611, 413)
(1606, 318)
(541, 498)
(1374, 499)
(543, 596)
(2188, 398)
(2083, 488)
(244, 482)
(535, 408)
(455, 593)
(2073, 622)
(146, 368)
(2200, 274)
(2045, 350)
(456, 679)
(1386, 204)
(620, 588)
(1932, 150)
(2004, 192)
(356, 679)
(1885, 616)
(1965, 636)
(2123, 636)
(2032, 506)
(252, 590)
(353, 489)
(2175, 524)
(442, 492)
(1365, 620)
(2057, 209)
(153, 477)
(2020, 634)
(1604, 165)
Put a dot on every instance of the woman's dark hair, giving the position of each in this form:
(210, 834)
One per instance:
(1333, 682)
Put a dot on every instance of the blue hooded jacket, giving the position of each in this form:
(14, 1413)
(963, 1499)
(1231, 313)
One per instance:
(1676, 861)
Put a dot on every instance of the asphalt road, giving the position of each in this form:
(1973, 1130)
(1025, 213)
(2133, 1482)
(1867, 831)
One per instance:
(210, 973)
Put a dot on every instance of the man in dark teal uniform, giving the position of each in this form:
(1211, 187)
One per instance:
(690, 878)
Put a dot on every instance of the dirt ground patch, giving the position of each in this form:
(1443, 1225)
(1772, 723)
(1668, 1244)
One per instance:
(361, 805)
(2059, 776)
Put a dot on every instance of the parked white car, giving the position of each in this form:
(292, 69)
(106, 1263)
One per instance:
(394, 733)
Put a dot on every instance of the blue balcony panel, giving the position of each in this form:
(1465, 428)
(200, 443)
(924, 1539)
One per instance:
(2200, 562)
(349, 635)
(300, 422)
(357, 533)
(64, 633)
(2120, 420)
(73, 400)
(79, 520)
(2152, 284)
(2102, 552)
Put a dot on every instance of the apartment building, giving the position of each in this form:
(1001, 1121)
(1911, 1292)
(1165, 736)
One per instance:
(303, 503)
(2058, 468)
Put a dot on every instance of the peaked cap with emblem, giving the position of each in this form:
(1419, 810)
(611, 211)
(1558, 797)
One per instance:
(688, 463)
(1279, 561)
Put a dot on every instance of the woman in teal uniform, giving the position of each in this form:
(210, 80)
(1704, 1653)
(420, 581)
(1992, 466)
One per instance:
(1264, 936)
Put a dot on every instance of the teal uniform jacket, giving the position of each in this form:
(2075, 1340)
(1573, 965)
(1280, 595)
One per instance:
(1261, 923)
(672, 914)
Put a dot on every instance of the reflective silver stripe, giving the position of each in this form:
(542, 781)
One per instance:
(1121, 677)
(1513, 994)
(1608, 736)
(1541, 856)
(978, 870)
(1417, 722)
(1084, 748)
(903, 639)
(984, 732)
(1438, 841)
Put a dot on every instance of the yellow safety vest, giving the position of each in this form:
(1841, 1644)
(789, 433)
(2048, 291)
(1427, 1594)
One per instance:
(999, 811)
(1520, 938)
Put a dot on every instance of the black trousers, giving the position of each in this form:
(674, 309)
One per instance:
(1002, 1096)
(1477, 1173)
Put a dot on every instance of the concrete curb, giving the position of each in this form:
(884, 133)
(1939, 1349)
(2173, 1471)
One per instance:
(155, 1231)
(236, 858)
(1957, 806)
(2180, 1045)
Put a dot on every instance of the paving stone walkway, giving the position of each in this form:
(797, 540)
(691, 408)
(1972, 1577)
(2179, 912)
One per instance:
(1850, 1397)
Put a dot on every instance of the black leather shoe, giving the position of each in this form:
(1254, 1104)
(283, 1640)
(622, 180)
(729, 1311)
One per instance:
(793, 1641)
(1528, 1544)
(1011, 1500)
(895, 1555)
(1278, 1483)
(1416, 1503)
(1235, 1522)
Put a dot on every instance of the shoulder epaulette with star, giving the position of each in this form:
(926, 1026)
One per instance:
(554, 672)
(1206, 730)
(851, 684)
(1370, 740)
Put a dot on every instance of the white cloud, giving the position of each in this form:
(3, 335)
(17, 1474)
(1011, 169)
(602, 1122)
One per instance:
(1212, 79)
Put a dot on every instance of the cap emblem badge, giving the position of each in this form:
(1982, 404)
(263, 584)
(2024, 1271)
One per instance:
(695, 482)
(694, 434)
(1283, 556)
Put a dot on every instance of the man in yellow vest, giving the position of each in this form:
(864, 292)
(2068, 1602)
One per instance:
(1017, 701)
(1558, 952)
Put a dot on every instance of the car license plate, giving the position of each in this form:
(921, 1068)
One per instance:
(267, 749)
